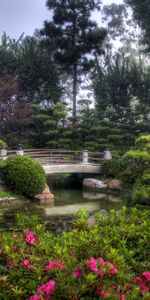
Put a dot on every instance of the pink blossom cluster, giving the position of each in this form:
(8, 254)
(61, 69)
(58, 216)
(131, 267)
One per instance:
(143, 281)
(27, 264)
(53, 265)
(101, 268)
(30, 237)
(106, 292)
(98, 266)
(45, 291)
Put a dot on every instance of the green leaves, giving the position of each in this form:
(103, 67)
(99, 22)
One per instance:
(122, 240)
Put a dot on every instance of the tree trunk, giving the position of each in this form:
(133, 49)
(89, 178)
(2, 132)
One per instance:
(74, 91)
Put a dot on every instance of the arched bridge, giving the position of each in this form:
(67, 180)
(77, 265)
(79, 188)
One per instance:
(65, 161)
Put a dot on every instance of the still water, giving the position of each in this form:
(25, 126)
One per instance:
(60, 213)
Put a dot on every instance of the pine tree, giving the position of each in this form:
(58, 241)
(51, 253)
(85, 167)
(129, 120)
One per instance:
(75, 36)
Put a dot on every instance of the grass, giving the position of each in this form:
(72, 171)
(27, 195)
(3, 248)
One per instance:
(4, 194)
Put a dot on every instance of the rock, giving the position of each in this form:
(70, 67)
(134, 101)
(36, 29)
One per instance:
(92, 195)
(45, 197)
(94, 184)
(91, 220)
(114, 198)
(115, 184)
(104, 212)
(8, 201)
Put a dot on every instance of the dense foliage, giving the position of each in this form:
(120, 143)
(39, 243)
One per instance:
(109, 259)
(141, 11)
(133, 169)
(75, 38)
(2, 166)
(3, 145)
(112, 168)
(39, 72)
(24, 175)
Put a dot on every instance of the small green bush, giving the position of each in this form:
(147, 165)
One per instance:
(136, 161)
(142, 140)
(141, 193)
(24, 175)
(3, 145)
(112, 168)
(141, 189)
(2, 166)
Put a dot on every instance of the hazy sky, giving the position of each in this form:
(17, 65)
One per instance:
(18, 16)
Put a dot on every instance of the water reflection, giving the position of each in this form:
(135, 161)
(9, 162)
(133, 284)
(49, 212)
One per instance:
(58, 214)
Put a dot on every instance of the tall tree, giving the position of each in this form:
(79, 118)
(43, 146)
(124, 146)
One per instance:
(75, 36)
(120, 87)
(37, 74)
(141, 12)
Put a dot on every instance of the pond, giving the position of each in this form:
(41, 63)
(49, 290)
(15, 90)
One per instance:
(60, 213)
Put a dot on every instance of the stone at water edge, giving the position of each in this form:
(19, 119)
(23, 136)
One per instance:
(46, 196)
(91, 195)
(115, 184)
(91, 220)
(94, 184)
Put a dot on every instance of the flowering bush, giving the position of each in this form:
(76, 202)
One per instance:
(110, 259)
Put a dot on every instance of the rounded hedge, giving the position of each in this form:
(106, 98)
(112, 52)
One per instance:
(24, 175)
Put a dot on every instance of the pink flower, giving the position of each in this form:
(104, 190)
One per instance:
(112, 269)
(96, 265)
(77, 273)
(27, 264)
(47, 288)
(122, 297)
(144, 287)
(1, 251)
(34, 297)
(138, 280)
(53, 264)
(114, 287)
(30, 237)
(102, 292)
(93, 264)
(146, 275)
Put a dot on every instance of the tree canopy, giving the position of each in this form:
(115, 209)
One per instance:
(141, 12)
(75, 37)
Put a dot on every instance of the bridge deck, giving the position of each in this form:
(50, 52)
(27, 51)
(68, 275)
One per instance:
(72, 168)
(64, 161)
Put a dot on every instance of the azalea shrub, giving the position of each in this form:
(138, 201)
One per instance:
(108, 259)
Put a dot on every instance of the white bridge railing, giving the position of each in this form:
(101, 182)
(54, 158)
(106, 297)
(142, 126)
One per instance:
(61, 156)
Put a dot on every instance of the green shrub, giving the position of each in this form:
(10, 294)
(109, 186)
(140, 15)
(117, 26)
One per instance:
(140, 193)
(24, 175)
(141, 189)
(136, 161)
(3, 145)
(128, 177)
(2, 166)
(112, 168)
(146, 177)
(106, 260)
(141, 141)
